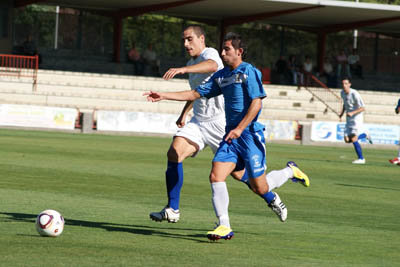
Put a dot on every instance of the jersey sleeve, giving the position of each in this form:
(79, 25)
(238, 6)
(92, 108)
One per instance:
(254, 84)
(209, 88)
(359, 100)
(211, 53)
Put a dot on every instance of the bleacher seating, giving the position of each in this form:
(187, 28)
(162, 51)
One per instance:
(88, 92)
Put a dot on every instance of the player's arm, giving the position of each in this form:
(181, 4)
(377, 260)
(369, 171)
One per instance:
(355, 112)
(252, 112)
(202, 67)
(342, 112)
(189, 95)
(185, 111)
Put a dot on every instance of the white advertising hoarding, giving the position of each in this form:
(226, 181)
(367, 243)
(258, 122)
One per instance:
(144, 122)
(334, 132)
(37, 116)
(125, 121)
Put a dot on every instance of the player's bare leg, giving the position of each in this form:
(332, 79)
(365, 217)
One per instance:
(180, 149)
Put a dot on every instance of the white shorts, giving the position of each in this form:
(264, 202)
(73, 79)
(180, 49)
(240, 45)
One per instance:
(354, 126)
(204, 134)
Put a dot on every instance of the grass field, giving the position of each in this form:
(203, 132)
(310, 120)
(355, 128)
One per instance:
(105, 186)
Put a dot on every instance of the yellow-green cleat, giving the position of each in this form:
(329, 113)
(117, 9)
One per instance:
(221, 232)
(298, 175)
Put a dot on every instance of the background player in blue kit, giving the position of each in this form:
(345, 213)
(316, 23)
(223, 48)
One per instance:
(242, 151)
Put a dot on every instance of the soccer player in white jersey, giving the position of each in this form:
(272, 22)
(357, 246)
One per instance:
(206, 128)
(396, 160)
(353, 106)
(242, 149)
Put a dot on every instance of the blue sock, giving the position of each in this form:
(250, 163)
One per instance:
(174, 180)
(358, 149)
(268, 197)
(362, 136)
(245, 179)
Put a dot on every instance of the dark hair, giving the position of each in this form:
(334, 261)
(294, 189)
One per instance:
(346, 78)
(197, 29)
(237, 42)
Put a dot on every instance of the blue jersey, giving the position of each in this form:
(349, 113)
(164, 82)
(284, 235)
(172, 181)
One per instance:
(239, 87)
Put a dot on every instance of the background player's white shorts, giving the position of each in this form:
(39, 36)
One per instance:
(354, 125)
(204, 134)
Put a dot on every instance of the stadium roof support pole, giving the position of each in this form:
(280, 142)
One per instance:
(117, 37)
(222, 31)
(376, 51)
(321, 37)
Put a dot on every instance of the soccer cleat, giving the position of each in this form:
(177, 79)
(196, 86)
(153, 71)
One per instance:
(359, 161)
(221, 232)
(298, 175)
(395, 161)
(166, 214)
(278, 207)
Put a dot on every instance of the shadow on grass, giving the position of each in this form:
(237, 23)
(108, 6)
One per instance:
(134, 229)
(369, 187)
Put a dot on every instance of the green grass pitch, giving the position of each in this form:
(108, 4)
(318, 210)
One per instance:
(105, 187)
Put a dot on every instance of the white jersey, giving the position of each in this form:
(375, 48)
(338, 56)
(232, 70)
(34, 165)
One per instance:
(206, 109)
(351, 102)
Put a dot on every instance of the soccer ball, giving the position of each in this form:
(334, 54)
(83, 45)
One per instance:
(50, 223)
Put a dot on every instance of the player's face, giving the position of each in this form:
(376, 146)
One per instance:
(346, 85)
(231, 56)
(194, 44)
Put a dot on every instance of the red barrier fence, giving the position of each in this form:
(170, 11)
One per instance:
(20, 66)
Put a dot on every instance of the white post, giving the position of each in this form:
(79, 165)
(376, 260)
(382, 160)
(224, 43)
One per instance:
(56, 29)
(355, 35)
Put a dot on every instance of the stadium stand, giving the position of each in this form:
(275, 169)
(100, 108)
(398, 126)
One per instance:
(88, 92)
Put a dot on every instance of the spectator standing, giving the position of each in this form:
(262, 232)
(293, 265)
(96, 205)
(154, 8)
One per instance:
(327, 71)
(134, 57)
(354, 64)
(294, 70)
(307, 69)
(152, 64)
(281, 67)
(342, 64)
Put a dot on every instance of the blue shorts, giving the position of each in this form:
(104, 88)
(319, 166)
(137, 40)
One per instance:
(247, 151)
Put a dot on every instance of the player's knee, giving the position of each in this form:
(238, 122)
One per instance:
(260, 190)
(173, 155)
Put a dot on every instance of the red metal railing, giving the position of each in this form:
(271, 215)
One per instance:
(20, 66)
(322, 93)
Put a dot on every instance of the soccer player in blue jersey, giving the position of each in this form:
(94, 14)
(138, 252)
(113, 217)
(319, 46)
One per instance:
(242, 150)
(354, 107)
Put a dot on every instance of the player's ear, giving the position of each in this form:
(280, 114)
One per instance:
(203, 39)
(240, 52)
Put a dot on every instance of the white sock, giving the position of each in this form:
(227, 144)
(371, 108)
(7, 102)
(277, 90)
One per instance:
(276, 179)
(220, 200)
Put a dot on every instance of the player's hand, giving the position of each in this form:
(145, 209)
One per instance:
(233, 134)
(172, 72)
(181, 122)
(350, 114)
(153, 96)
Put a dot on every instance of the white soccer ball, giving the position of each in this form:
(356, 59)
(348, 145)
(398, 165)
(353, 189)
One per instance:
(50, 223)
